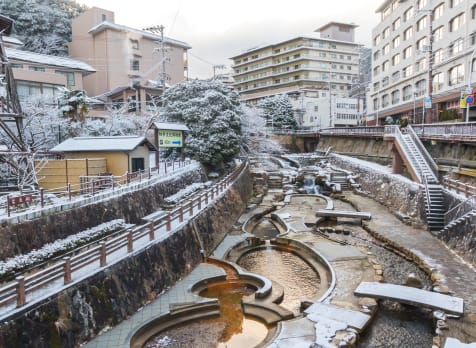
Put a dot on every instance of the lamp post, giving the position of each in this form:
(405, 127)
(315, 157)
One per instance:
(470, 73)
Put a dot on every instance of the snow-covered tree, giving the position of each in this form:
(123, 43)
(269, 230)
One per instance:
(44, 26)
(212, 112)
(278, 112)
(73, 103)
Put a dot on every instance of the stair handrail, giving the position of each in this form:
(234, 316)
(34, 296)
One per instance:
(397, 134)
(461, 209)
(426, 155)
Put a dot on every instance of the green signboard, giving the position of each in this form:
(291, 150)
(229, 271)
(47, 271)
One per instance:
(170, 138)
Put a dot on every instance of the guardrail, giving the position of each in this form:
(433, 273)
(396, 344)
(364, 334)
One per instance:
(19, 292)
(424, 152)
(461, 209)
(377, 131)
(447, 130)
(459, 187)
(89, 186)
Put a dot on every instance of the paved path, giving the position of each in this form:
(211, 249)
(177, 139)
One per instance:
(120, 335)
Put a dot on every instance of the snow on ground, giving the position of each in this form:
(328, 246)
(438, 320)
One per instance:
(187, 191)
(60, 245)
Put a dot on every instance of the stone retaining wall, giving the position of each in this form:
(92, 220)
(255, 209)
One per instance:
(21, 238)
(82, 310)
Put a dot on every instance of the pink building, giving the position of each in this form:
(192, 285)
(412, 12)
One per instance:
(123, 56)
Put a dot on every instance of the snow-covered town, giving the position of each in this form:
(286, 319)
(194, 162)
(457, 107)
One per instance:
(184, 175)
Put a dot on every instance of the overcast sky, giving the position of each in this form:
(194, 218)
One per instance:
(220, 29)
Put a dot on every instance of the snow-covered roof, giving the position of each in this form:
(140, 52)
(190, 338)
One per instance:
(112, 143)
(108, 25)
(170, 126)
(63, 62)
(12, 40)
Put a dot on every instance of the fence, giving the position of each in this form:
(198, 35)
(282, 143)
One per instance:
(88, 186)
(461, 209)
(448, 130)
(459, 187)
(355, 131)
(85, 263)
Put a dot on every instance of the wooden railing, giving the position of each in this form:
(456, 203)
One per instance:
(89, 186)
(459, 187)
(86, 263)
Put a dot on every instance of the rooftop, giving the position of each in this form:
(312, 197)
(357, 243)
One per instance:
(106, 143)
(170, 126)
(63, 62)
(108, 25)
(325, 26)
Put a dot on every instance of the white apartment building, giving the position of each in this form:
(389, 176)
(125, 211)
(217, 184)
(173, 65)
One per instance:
(422, 55)
(316, 72)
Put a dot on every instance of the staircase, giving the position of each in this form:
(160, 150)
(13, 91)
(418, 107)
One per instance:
(341, 179)
(275, 181)
(424, 170)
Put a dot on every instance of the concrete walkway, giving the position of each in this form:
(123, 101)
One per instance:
(448, 270)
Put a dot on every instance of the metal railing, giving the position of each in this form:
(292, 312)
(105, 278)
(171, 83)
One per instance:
(89, 186)
(460, 210)
(366, 131)
(458, 186)
(423, 151)
(19, 292)
(446, 130)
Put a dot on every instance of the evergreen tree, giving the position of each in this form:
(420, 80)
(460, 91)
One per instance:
(278, 112)
(212, 112)
(44, 26)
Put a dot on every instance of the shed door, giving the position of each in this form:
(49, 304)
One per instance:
(137, 164)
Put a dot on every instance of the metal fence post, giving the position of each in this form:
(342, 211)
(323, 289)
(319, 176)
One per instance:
(102, 254)
(151, 231)
(21, 294)
(67, 269)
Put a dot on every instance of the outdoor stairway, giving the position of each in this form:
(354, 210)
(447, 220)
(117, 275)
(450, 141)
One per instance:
(275, 182)
(424, 170)
(341, 179)
(459, 221)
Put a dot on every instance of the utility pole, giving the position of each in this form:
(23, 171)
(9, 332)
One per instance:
(162, 49)
(429, 112)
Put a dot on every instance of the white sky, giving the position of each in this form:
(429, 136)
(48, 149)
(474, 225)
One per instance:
(219, 29)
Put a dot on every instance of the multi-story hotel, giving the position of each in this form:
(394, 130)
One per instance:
(316, 72)
(423, 58)
(124, 56)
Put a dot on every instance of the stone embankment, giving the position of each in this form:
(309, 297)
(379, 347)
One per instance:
(83, 309)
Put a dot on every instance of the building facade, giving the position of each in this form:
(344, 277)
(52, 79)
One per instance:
(422, 59)
(317, 74)
(40, 74)
(124, 56)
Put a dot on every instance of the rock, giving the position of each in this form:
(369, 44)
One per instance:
(413, 281)
(441, 324)
(439, 315)
(442, 289)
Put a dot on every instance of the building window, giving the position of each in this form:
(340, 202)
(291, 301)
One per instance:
(16, 66)
(438, 56)
(454, 3)
(386, 49)
(395, 97)
(36, 68)
(396, 42)
(407, 52)
(396, 59)
(438, 11)
(456, 75)
(408, 33)
(420, 87)
(386, 32)
(407, 92)
(421, 4)
(456, 46)
(438, 34)
(385, 65)
(103, 17)
(70, 81)
(421, 44)
(385, 100)
(135, 65)
(396, 24)
(438, 81)
(473, 12)
(134, 44)
(408, 14)
(408, 71)
(376, 70)
(457, 22)
(376, 54)
(421, 24)
(377, 40)
(421, 65)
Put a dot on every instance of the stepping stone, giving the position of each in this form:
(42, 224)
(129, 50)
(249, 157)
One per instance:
(455, 343)
(354, 319)
(411, 296)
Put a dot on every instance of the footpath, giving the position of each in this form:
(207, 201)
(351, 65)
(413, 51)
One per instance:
(448, 271)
